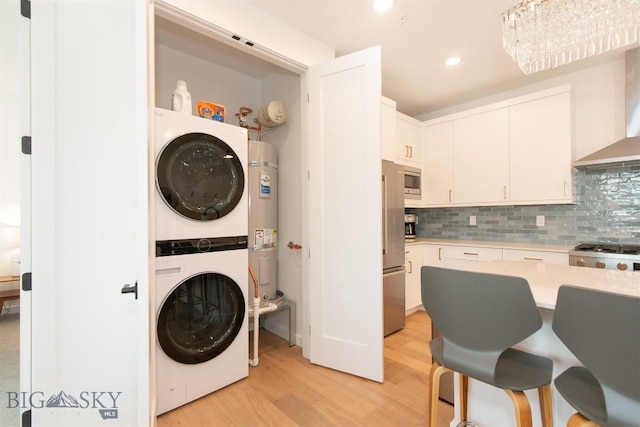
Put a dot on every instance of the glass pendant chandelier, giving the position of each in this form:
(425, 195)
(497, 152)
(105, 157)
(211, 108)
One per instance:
(544, 34)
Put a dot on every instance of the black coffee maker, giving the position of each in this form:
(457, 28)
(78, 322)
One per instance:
(410, 221)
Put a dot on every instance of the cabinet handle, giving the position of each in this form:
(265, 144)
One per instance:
(439, 254)
(504, 192)
(565, 188)
(471, 253)
(410, 267)
(532, 259)
(450, 191)
(406, 151)
(411, 152)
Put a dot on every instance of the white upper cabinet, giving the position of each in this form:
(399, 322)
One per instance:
(514, 152)
(482, 157)
(540, 149)
(388, 129)
(438, 174)
(409, 149)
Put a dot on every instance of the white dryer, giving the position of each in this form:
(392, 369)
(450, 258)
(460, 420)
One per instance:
(200, 177)
(201, 318)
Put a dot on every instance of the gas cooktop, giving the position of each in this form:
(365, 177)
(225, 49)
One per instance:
(608, 248)
(606, 255)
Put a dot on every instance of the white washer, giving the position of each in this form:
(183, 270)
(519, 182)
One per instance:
(201, 178)
(201, 319)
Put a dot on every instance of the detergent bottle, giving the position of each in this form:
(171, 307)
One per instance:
(181, 100)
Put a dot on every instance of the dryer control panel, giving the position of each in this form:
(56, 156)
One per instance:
(196, 246)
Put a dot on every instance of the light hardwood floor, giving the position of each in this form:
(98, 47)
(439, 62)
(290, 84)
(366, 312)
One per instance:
(285, 389)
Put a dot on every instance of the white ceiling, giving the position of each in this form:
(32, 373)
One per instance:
(413, 52)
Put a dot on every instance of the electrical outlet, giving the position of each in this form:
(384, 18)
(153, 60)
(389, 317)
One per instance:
(472, 220)
(540, 220)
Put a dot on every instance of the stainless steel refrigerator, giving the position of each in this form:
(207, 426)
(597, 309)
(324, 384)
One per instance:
(393, 270)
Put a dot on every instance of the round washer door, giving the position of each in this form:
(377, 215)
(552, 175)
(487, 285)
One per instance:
(200, 177)
(200, 318)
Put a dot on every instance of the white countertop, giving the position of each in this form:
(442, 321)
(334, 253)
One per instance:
(545, 279)
(491, 244)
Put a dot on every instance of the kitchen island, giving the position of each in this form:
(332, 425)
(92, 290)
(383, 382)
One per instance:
(490, 407)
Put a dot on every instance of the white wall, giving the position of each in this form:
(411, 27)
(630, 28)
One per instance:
(206, 81)
(598, 102)
(287, 139)
(10, 102)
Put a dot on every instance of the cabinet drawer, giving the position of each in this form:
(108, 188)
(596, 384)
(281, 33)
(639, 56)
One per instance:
(536, 256)
(471, 253)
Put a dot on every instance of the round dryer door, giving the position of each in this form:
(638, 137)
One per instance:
(201, 318)
(200, 177)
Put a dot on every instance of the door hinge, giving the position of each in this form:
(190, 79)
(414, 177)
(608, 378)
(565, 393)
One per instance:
(26, 281)
(26, 418)
(26, 145)
(25, 8)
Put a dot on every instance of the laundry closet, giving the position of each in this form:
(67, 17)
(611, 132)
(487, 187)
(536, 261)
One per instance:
(334, 281)
(218, 73)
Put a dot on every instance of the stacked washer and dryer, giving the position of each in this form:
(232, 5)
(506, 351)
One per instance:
(201, 257)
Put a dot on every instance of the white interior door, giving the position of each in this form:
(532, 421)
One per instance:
(89, 216)
(345, 222)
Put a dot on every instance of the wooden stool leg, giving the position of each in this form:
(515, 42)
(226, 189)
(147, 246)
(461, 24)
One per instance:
(546, 411)
(464, 393)
(434, 388)
(522, 408)
(578, 420)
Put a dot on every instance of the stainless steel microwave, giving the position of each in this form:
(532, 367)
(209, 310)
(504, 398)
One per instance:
(412, 183)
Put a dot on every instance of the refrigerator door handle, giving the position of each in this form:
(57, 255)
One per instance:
(385, 236)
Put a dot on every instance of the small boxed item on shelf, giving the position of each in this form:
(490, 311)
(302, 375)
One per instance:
(212, 111)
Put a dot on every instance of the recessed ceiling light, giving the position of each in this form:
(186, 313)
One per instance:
(454, 60)
(382, 5)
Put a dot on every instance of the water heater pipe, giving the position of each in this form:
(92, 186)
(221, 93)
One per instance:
(257, 311)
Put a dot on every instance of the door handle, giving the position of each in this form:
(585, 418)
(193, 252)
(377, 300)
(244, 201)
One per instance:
(128, 289)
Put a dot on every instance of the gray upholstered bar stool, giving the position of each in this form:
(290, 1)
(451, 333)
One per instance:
(602, 330)
(481, 316)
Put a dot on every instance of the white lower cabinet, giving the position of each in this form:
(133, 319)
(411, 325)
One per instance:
(413, 263)
(561, 258)
(432, 255)
(463, 257)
